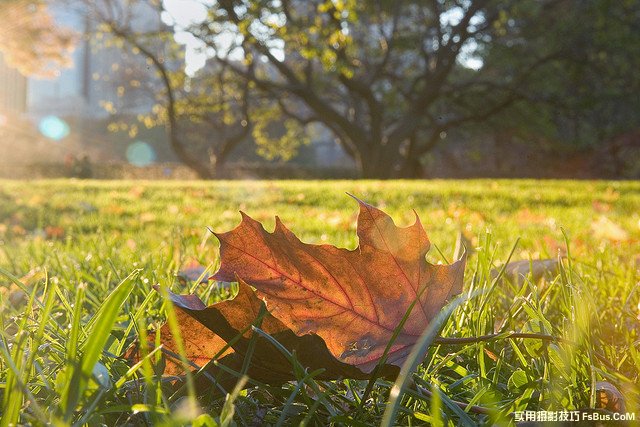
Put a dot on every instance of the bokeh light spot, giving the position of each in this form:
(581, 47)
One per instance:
(141, 154)
(54, 128)
(3, 120)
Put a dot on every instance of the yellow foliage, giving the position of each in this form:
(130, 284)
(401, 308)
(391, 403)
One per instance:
(31, 42)
(133, 131)
(108, 107)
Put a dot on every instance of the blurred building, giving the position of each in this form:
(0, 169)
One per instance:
(95, 84)
(13, 89)
(47, 120)
(108, 81)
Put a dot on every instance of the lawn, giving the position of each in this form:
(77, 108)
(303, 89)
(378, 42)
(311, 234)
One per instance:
(73, 252)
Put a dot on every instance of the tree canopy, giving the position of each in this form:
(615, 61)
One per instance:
(390, 79)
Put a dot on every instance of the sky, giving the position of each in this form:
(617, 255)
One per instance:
(182, 13)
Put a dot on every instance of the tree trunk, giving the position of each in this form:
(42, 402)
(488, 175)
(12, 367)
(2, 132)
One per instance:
(375, 166)
(412, 168)
(387, 162)
(382, 162)
(500, 147)
(201, 169)
(377, 170)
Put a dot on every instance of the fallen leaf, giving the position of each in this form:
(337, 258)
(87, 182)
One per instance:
(54, 232)
(334, 308)
(18, 230)
(554, 247)
(207, 330)
(609, 397)
(519, 270)
(192, 271)
(604, 228)
(114, 209)
(352, 299)
(147, 217)
(137, 191)
(601, 207)
(526, 217)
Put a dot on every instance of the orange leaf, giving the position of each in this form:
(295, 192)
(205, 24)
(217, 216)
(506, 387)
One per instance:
(333, 308)
(207, 330)
(353, 300)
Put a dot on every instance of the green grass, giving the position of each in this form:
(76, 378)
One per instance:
(79, 259)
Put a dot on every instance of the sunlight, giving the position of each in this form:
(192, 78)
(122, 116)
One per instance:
(182, 14)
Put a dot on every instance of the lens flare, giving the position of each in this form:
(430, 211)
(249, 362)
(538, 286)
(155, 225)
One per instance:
(140, 154)
(54, 128)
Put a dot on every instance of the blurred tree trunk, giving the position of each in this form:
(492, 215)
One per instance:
(206, 167)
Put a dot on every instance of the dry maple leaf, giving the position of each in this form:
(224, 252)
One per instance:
(352, 299)
(207, 330)
(336, 309)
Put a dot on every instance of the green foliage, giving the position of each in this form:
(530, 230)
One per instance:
(583, 90)
(276, 139)
(386, 79)
(69, 306)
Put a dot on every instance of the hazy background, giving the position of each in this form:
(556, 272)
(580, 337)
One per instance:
(329, 89)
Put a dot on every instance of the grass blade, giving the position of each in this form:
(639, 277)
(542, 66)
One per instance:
(415, 358)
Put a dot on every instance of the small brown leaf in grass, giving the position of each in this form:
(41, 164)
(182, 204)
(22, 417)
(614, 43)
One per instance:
(609, 397)
(192, 271)
(54, 232)
(601, 207)
(517, 271)
(604, 228)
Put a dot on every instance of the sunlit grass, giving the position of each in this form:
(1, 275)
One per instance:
(79, 259)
